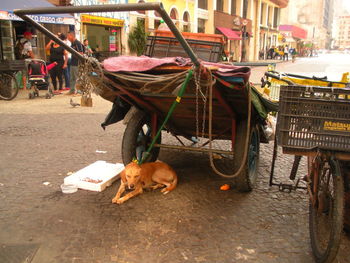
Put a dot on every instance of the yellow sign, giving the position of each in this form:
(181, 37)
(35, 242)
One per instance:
(336, 126)
(105, 21)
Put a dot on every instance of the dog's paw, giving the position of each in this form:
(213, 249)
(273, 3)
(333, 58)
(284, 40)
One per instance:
(120, 201)
(114, 200)
(164, 191)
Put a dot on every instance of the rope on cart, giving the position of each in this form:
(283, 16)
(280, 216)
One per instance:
(245, 154)
(172, 108)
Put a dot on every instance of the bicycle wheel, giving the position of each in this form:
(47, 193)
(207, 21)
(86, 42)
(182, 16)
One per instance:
(8, 86)
(326, 215)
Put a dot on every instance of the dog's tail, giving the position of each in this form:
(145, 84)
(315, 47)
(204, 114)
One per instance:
(172, 186)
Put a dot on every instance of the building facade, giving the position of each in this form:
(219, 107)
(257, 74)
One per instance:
(254, 24)
(342, 32)
(314, 16)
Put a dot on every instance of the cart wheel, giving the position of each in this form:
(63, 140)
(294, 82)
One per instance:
(48, 96)
(245, 182)
(326, 216)
(30, 95)
(137, 137)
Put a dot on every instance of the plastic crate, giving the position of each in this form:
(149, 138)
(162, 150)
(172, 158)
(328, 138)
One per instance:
(312, 118)
(12, 65)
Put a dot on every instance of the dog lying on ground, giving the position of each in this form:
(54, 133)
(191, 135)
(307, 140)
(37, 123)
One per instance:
(148, 175)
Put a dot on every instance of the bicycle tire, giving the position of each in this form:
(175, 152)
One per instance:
(7, 91)
(336, 216)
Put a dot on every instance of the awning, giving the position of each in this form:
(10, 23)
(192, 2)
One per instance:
(295, 31)
(7, 7)
(229, 33)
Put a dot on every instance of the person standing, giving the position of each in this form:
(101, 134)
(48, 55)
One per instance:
(294, 54)
(87, 49)
(59, 55)
(25, 51)
(76, 45)
(285, 54)
(66, 71)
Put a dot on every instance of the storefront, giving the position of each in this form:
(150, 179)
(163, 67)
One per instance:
(292, 36)
(12, 27)
(235, 29)
(104, 34)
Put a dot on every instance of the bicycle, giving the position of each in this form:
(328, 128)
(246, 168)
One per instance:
(315, 122)
(8, 84)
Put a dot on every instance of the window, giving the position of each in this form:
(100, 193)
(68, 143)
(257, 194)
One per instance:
(220, 5)
(233, 7)
(245, 8)
(203, 4)
(276, 15)
(186, 25)
(262, 14)
(201, 25)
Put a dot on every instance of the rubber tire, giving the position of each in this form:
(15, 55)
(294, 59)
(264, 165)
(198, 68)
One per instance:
(245, 182)
(338, 216)
(131, 132)
(4, 94)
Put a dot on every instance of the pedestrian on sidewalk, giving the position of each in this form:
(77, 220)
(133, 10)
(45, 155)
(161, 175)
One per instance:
(24, 50)
(76, 44)
(285, 53)
(294, 54)
(59, 55)
(66, 71)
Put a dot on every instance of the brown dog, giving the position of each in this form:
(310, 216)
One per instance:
(149, 175)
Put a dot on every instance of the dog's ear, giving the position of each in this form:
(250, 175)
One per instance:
(122, 175)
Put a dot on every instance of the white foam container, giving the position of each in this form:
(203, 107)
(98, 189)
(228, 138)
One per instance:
(99, 170)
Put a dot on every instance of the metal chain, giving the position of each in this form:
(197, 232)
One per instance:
(204, 98)
(90, 75)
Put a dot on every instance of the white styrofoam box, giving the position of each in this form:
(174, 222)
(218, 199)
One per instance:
(101, 171)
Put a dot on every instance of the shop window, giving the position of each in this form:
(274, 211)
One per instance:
(203, 4)
(201, 25)
(220, 5)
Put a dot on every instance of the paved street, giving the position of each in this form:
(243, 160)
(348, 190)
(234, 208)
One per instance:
(42, 140)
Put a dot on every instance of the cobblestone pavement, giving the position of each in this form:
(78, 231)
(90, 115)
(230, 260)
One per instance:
(195, 223)
(42, 140)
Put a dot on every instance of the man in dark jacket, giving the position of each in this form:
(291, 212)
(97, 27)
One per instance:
(76, 44)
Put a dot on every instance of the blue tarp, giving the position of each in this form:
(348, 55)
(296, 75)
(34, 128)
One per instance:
(7, 7)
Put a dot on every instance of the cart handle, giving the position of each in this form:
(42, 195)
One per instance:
(278, 76)
(23, 13)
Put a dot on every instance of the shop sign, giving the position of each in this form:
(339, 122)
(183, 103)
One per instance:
(105, 21)
(115, 15)
(4, 15)
(202, 13)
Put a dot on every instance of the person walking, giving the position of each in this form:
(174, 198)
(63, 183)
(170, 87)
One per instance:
(66, 71)
(59, 55)
(76, 45)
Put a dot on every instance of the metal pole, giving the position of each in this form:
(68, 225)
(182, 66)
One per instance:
(22, 13)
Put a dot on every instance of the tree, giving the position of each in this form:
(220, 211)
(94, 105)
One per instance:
(137, 38)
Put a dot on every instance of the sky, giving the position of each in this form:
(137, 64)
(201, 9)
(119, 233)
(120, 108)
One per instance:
(346, 3)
